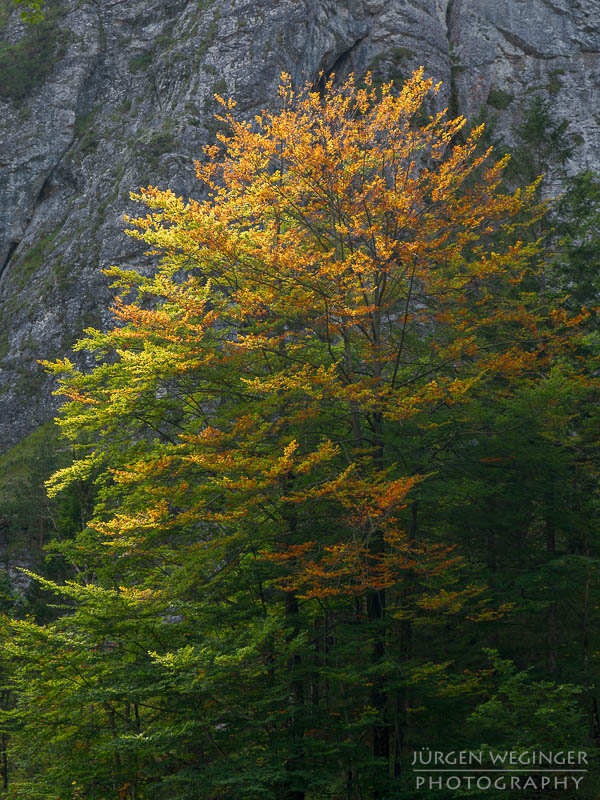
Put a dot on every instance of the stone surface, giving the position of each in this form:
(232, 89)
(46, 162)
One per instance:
(126, 99)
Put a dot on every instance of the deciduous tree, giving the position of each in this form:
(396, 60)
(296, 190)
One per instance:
(346, 282)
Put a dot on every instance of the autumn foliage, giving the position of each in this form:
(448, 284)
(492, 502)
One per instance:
(346, 273)
(354, 271)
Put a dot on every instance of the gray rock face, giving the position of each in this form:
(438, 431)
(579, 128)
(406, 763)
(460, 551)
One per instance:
(115, 94)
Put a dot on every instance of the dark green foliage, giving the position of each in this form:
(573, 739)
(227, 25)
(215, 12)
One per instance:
(211, 35)
(392, 71)
(499, 99)
(220, 87)
(24, 509)
(33, 259)
(6, 7)
(29, 520)
(524, 714)
(25, 65)
(576, 238)
(4, 344)
(544, 143)
(89, 138)
(555, 84)
(154, 146)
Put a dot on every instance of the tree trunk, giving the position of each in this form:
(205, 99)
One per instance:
(296, 700)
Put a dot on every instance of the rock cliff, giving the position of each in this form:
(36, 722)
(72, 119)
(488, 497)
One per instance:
(108, 95)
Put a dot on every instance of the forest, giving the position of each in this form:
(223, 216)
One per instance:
(322, 503)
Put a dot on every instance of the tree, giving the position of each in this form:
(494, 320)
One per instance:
(250, 579)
